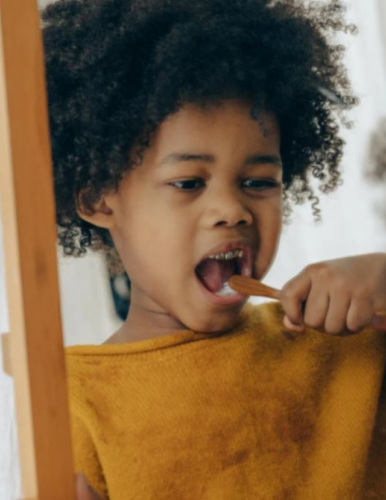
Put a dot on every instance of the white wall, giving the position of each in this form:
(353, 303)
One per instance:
(350, 226)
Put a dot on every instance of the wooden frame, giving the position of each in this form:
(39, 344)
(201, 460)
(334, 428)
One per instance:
(26, 185)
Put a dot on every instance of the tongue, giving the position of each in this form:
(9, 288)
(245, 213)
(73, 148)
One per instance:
(214, 273)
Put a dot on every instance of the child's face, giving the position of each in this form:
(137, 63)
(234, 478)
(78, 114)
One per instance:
(209, 183)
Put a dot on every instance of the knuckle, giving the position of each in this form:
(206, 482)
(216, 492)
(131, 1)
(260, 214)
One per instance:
(314, 267)
(342, 284)
(319, 269)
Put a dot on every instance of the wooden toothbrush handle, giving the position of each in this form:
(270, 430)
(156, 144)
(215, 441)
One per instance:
(250, 286)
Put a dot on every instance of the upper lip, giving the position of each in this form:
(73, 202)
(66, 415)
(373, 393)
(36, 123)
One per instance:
(228, 246)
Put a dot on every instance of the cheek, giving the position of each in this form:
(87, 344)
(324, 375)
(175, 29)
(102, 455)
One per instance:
(157, 244)
(269, 229)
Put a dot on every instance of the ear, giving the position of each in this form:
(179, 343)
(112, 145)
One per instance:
(101, 214)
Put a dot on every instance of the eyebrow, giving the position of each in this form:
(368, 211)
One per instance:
(255, 159)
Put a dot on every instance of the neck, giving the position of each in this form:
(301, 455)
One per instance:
(145, 321)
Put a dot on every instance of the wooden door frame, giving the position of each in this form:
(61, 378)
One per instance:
(28, 209)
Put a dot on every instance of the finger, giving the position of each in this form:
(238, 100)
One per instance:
(291, 326)
(336, 318)
(359, 314)
(316, 308)
(293, 295)
(378, 322)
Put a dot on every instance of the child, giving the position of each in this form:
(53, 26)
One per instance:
(177, 127)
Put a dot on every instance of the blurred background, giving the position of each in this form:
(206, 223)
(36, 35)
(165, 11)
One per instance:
(354, 222)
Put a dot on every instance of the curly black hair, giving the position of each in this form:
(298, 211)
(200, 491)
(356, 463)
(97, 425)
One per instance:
(117, 68)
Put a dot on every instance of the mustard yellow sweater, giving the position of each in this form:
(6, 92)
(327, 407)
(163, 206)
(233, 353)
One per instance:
(254, 413)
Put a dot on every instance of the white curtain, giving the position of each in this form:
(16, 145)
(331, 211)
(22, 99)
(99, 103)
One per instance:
(351, 225)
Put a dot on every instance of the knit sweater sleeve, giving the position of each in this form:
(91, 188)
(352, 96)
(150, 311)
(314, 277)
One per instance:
(86, 457)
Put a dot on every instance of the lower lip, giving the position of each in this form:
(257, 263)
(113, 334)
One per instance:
(226, 300)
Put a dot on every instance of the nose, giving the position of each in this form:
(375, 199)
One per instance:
(227, 208)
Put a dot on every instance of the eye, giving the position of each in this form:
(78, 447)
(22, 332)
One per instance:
(260, 184)
(188, 184)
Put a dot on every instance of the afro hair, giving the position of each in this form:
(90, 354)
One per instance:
(117, 68)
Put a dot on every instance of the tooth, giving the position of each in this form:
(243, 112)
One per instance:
(233, 254)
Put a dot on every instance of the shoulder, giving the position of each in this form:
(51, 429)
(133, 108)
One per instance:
(86, 369)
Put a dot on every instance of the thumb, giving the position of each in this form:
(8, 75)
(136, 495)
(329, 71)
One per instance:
(291, 326)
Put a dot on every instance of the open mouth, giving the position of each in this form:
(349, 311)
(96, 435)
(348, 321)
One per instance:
(215, 271)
